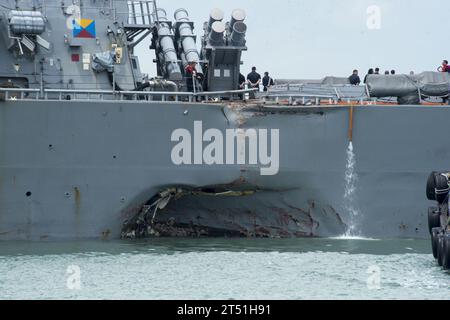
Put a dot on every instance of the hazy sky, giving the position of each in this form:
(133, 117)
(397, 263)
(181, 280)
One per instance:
(315, 38)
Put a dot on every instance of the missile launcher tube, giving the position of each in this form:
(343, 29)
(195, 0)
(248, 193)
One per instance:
(238, 34)
(168, 47)
(216, 35)
(187, 37)
(238, 15)
(215, 15)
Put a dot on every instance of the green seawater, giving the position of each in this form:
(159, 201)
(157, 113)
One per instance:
(222, 269)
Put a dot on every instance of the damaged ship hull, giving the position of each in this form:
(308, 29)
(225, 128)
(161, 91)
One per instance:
(77, 170)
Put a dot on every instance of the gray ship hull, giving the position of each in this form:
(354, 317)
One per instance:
(77, 170)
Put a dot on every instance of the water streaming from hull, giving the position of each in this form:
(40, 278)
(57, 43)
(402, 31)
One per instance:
(350, 203)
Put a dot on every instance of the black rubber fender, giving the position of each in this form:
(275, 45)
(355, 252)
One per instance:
(434, 241)
(442, 188)
(434, 218)
(440, 249)
(446, 252)
(431, 186)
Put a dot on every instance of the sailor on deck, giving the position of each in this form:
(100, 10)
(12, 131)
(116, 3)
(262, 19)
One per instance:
(191, 75)
(445, 67)
(242, 82)
(370, 72)
(254, 80)
(267, 81)
(354, 78)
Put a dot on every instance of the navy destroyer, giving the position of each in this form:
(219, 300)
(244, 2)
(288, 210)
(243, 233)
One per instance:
(92, 148)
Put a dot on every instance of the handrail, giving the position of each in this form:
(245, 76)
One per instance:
(24, 92)
(19, 90)
(293, 98)
(210, 93)
(300, 95)
(117, 95)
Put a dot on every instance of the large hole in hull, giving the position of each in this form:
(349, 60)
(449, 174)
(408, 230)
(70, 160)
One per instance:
(229, 211)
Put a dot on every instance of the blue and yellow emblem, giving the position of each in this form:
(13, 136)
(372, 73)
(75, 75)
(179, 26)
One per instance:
(84, 28)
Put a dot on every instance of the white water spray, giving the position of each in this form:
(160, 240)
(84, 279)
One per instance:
(350, 193)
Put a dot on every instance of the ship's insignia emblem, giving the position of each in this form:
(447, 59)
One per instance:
(84, 28)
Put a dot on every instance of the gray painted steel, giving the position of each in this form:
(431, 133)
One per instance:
(80, 169)
(90, 166)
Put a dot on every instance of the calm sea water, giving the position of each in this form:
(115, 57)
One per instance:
(222, 269)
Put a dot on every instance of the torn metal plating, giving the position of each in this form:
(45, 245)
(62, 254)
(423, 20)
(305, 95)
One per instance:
(230, 211)
(145, 224)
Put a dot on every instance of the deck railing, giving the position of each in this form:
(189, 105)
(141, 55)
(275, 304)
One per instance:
(276, 97)
(83, 95)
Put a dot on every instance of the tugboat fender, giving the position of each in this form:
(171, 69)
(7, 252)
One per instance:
(440, 249)
(434, 218)
(442, 189)
(435, 241)
(446, 252)
(431, 186)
